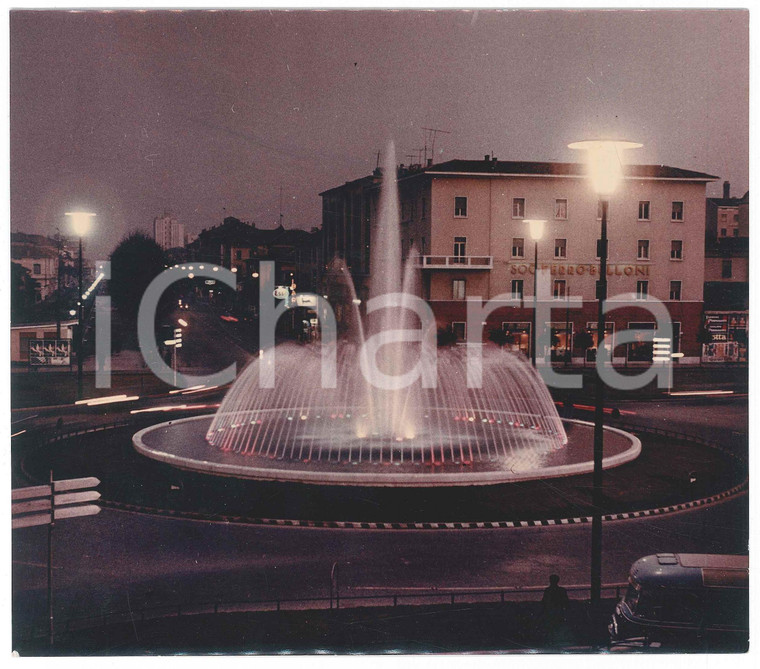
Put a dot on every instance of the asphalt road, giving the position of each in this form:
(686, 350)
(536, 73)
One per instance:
(120, 561)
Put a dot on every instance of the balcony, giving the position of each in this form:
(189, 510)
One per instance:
(456, 262)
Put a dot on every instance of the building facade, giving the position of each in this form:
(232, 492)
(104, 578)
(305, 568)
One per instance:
(726, 294)
(467, 220)
(168, 232)
(45, 258)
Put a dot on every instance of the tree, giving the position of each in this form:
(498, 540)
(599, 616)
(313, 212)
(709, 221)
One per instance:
(23, 293)
(135, 262)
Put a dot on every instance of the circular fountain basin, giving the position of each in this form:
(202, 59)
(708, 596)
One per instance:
(473, 452)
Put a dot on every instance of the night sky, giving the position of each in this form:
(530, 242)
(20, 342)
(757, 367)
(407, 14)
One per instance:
(208, 114)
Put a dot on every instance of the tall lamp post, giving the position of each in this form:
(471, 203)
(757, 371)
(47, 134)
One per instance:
(80, 222)
(606, 171)
(536, 231)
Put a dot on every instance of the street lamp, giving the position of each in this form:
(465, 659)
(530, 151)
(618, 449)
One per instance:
(536, 231)
(605, 169)
(80, 222)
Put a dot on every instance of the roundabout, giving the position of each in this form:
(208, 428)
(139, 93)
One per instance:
(672, 473)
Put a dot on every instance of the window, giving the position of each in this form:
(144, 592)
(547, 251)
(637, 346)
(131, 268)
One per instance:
(518, 247)
(643, 250)
(518, 207)
(37, 268)
(676, 213)
(238, 254)
(458, 289)
(560, 209)
(736, 232)
(459, 328)
(676, 250)
(727, 269)
(560, 289)
(675, 290)
(642, 290)
(722, 232)
(643, 210)
(724, 217)
(517, 289)
(460, 207)
(460, 249)
(560, 248)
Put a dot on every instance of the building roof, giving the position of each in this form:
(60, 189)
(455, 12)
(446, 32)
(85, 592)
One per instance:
(524, 168)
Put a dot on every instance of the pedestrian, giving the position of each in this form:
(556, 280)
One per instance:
(554, 605)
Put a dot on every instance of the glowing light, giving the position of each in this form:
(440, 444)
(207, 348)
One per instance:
(536, 228)
(255, 275)
(216, 269)
(80, 221)
(234, 270)
(182, 322)
(191, 275)
(95, 401)
(604, 160)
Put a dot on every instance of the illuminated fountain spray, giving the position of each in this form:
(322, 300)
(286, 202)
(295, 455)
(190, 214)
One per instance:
(509, 423)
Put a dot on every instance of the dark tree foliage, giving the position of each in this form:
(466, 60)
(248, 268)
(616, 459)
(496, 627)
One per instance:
(23, 289)
(135, 262)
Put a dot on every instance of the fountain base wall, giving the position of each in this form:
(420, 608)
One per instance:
(182, 444)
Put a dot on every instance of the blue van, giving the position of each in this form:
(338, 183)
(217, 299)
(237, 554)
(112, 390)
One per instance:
(682, 599)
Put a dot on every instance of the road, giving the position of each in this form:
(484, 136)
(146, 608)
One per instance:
(119, 560)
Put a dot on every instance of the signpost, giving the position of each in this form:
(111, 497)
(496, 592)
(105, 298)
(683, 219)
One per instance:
(43, 505)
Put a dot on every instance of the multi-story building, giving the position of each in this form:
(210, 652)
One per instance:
(726, 293)
(44, 258)
(467, 220)
(168, 232)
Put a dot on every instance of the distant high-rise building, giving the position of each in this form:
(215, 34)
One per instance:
(168, 232)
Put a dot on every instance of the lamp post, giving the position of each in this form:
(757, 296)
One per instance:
(536, 231)
(605, 171)
(80, 221)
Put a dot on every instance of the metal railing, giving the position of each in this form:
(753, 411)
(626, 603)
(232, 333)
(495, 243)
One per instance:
(334, 602)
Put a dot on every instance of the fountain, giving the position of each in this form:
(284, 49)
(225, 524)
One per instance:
(358, 433)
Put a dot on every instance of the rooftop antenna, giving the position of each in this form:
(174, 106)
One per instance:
(377, 164)
(430, 135)
(280, 205)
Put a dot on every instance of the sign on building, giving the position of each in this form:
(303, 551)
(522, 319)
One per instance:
(49, 352)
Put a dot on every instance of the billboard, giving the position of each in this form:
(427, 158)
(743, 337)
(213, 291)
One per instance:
(49, 352)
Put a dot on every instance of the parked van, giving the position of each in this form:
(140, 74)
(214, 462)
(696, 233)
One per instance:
(685, 598)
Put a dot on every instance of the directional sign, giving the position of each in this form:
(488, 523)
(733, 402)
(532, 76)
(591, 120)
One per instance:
(280, 292)
(42, 507)
(44, 518)
(60, 486)
(60, 500)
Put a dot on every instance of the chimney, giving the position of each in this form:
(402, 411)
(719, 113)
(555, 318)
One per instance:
(486, 157)
(726, 190)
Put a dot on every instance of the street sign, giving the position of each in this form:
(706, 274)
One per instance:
(65, 512)
(44, 506)
(60, 500)
(60, 486)
(306, 300)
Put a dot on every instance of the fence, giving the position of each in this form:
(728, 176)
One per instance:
(334, 602)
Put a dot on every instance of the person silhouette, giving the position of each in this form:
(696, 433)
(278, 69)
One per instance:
(554, 605)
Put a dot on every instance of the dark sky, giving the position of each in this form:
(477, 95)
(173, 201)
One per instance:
(207, 114)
